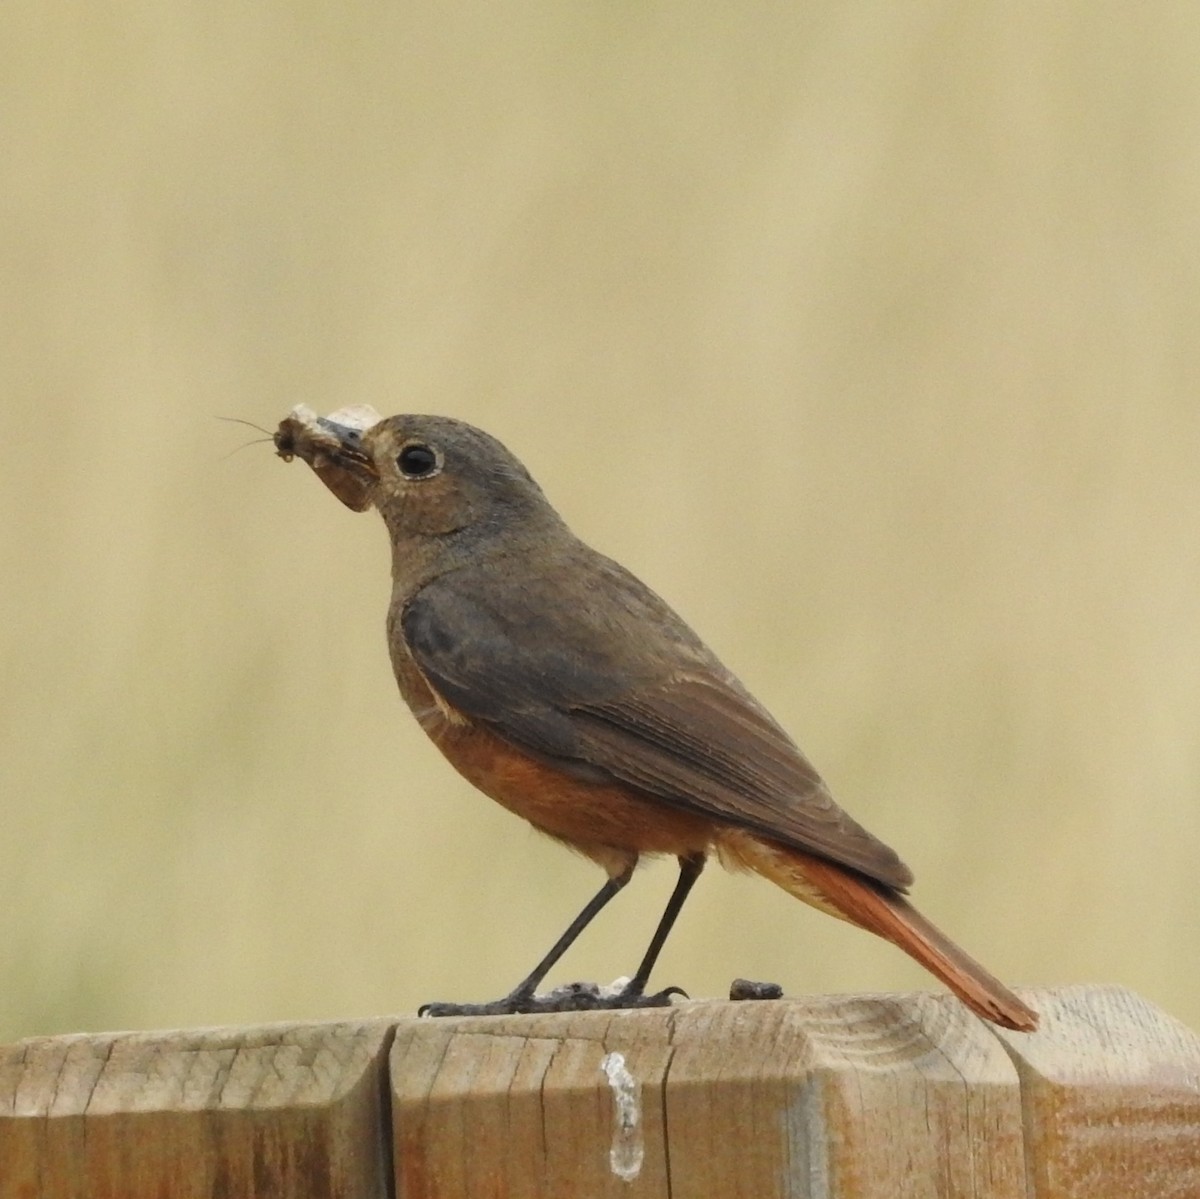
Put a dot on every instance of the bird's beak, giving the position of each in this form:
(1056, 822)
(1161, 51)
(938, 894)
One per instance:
(333, 447)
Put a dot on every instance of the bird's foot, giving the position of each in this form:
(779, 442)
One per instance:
(623, 994)
(508, 1006)
(572, 997)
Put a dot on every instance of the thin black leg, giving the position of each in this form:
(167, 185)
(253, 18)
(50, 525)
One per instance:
(587, 996)
(689, 872)
(521, 998)
(589, 913)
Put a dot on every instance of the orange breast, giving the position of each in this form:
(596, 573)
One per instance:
(610, 824)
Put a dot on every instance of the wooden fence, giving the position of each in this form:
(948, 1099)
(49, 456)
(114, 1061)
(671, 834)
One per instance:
(846, 1097)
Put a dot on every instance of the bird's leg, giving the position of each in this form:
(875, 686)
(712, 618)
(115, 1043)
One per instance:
(583, 996)
(689, 871)
(523, 996)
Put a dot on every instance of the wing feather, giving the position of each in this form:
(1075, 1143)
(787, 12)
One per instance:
(659, 714)
(700, 742)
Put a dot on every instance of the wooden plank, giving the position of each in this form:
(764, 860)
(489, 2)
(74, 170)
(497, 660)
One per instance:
(531, 1105)
(1111, 1089)
(290, 1109)
(851, 1097)
(860, 1097)
(854, 1097)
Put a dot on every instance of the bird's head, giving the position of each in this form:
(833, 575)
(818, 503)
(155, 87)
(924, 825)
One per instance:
(429, 476)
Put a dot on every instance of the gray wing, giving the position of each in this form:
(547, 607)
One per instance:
(657, 712)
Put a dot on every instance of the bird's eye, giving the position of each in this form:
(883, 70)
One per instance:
(417, 461)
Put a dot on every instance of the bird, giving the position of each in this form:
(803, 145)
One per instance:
(563, 687)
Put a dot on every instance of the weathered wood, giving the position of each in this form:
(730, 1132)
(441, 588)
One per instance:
(823, 1097)
(848, 1097)
(542, 1115)
(1111, 1093)
(884, 1097)
(286, 1110)
(851, 1097)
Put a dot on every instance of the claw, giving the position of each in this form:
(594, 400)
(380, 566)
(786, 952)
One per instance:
(574, 997)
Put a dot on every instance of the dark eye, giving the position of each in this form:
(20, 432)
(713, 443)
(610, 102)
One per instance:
(416, 461)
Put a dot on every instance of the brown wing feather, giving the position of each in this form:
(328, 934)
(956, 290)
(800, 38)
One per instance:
(617, 687)
(701, 743)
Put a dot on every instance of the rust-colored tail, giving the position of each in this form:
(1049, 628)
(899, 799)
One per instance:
(850, 896)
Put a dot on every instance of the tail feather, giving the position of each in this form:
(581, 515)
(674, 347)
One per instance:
(850, 896)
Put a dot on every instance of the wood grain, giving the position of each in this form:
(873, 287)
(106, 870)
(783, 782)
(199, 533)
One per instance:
(845, 1097)
(850, 1097)
(291, 1110)
(1111, 1093)
(543, 1115)
(837, 1096)
(825, 1097)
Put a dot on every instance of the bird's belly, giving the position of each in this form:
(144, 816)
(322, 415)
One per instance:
(608, 823)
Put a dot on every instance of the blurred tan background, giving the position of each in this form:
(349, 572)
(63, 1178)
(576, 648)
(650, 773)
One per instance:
(867, 334)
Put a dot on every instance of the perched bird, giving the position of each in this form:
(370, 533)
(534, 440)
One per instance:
(564, 688)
